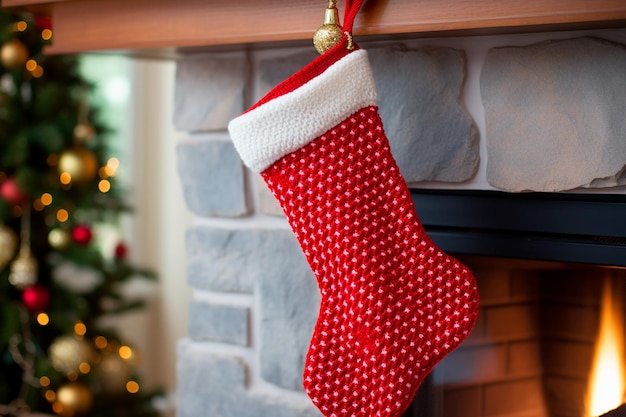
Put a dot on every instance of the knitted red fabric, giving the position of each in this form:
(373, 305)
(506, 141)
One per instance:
(393, 304)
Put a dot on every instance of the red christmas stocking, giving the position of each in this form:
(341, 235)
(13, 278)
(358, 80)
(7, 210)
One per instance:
(393, 304)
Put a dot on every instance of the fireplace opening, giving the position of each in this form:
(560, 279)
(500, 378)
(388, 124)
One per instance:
(551, 275)
(534, 347)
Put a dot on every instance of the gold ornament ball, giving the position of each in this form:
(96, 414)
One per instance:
(8, 245)
(75, 399)
(13, 54)
(67, 353)
(326, 37)
(80, 163)
(24, 269)
(59, 239)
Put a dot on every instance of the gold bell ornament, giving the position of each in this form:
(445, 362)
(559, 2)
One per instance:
(329, 34)
(24, 268)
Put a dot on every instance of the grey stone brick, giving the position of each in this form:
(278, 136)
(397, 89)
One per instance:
(432, 137)
(212, 177)
(221, 259)
(208, 92)
(222, 323)
(289, 304)
(214, 385)
(279, 406)
(267, 202)
(554, 115)
(272, 72)
(209, 385)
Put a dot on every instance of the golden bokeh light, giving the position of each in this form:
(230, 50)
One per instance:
(84, 367)
(132, 387)
(101, 342)
(46, 199)
(37, 72)
(104, 186)
(44, 381)
(79, 328)
(43, 319)
(62, 215)
(125, 352)
(50, 396)
(21, 26)
(57, 407)
(65, 178)
(46, 34)
(31, 64)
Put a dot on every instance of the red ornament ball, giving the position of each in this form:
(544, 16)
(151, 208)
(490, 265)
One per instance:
(82, 235)
(121, 250)
(36, 298)
(11, 192)
(43, 22)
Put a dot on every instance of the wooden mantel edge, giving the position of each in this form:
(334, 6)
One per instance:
(91, 25)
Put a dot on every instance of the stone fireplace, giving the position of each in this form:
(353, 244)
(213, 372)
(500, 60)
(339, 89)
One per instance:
(506, 141)
(513, 145)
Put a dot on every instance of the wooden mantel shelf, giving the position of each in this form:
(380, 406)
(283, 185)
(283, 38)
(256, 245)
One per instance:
(88, 25)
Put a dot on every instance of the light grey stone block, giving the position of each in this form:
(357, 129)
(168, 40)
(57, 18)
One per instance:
(555, 115)
(267, 202)
(214, 385)
(289, 305)
(209, 385)
(432, 137)
(272, 72)
(221, 259)
(212, 178)
(209, 92)
(221, 323)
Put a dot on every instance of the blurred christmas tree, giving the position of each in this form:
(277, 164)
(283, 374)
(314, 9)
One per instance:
(57, 279)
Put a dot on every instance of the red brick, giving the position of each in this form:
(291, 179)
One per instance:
(525, 359)
(464, 402)
(515, 397)
(565, 396)
(567, 358)
(512, 322)
(493, 285)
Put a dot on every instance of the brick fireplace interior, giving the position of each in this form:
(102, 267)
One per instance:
(531, 351)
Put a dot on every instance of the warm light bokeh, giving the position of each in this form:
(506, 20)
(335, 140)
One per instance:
(607, 383)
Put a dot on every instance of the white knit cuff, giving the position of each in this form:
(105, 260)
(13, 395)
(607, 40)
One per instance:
(267, 133)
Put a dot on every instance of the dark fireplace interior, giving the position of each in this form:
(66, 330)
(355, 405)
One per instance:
(544, 265)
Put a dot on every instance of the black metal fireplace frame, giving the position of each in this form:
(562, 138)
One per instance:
(578, 228)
